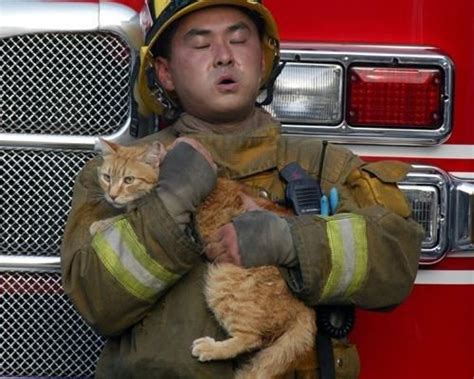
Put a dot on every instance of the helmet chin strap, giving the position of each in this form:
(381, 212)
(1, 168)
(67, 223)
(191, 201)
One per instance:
(270, 85)
(171, 109)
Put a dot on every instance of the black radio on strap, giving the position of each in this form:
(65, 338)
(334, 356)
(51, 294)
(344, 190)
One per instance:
(303, 193)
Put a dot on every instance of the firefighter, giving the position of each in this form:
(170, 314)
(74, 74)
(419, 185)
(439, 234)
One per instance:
(140, 281)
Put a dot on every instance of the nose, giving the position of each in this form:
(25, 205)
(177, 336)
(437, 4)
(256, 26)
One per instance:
(113, 192)
(224, 56)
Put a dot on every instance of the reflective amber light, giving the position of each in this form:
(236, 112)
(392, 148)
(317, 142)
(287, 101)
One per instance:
(396, 97)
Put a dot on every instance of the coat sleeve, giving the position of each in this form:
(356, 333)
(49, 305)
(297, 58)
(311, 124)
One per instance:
(115, 277)
(367, 253)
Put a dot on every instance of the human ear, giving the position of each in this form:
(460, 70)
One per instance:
(163, 72)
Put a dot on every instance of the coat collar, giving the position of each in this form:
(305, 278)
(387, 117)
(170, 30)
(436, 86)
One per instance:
(250, 150)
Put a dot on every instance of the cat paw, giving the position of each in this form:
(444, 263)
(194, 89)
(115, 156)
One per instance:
(101, 225)
(204, 349)
(95, 228)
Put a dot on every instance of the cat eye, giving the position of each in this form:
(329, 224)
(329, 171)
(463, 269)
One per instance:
(106, 177)
(128, 179)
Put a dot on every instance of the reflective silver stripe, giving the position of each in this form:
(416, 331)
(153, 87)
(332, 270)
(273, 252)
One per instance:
(128, 260)
(125, 257)
(348, 244)
(349, 251)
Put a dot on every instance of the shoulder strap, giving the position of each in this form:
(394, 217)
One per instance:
(330, 164)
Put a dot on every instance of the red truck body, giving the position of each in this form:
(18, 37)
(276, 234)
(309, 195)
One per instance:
(431, 335)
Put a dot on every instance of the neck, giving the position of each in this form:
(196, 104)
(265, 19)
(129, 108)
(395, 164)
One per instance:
(192, 123)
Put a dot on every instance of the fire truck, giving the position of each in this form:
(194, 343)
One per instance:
(390, 80)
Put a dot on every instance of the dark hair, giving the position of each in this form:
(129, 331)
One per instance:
(162, 47)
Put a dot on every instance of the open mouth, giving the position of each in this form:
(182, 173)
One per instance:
(227, 84)
(227, 81)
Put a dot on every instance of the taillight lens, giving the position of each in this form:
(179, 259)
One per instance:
(395, 97)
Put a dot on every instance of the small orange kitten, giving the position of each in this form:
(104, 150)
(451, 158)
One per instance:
(254, 305)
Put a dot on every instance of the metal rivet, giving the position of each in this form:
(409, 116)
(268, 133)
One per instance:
(264, 194)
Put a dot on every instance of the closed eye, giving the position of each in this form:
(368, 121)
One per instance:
(238, 41)
(106, 177)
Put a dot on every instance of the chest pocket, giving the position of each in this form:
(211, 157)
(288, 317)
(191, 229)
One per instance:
(376, 184)
(266, 184)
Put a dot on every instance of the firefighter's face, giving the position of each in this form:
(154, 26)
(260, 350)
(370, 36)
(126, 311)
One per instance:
(216, 64)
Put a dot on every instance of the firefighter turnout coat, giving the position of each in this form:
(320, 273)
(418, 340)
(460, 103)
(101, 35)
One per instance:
(140, 282)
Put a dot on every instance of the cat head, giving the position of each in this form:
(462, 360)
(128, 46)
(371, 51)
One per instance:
(129, 172)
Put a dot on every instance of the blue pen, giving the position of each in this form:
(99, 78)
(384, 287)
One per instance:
(324, 206)
(333, 199)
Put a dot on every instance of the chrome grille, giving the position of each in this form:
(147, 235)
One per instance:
(36, 190)
(64, 83)
(41, 334)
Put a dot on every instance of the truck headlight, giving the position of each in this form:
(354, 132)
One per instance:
(308, 93)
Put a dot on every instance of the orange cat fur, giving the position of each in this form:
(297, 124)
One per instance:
(254, 305)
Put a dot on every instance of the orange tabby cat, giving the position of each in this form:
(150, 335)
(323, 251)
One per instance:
(254, 305)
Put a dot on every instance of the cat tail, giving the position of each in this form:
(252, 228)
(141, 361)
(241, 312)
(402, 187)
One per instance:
(285, 352)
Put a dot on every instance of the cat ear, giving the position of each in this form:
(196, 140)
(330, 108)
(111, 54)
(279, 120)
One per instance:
(107, 147)
(155, 154)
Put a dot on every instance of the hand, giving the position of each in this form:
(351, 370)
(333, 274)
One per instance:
(223, 246)
(253, 239)
(186, 178)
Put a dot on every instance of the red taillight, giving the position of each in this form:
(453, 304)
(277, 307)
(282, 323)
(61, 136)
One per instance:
(397, 97)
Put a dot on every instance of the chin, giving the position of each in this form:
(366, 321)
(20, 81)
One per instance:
(232, 111)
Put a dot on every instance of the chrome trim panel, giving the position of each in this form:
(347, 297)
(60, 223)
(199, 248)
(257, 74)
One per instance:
(433, 152)
(29, 264)
(463, 216)
(29, 16)
(346, 55)
(23, 17)
(455, 217)
(59, 142)
(123, 21)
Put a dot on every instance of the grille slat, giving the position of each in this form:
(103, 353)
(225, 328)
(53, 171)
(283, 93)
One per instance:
(36, 195)
(64, 84)
(41, 334)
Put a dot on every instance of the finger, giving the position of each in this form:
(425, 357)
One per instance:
(225, 258)
(215, 237)
(213, 250)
